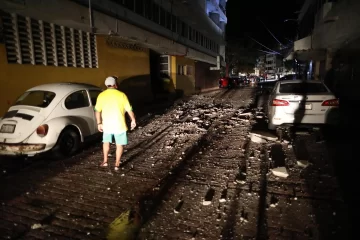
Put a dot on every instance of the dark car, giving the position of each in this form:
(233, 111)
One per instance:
(288, 77)
(265, 87)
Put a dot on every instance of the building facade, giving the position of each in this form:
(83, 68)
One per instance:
(274, 65)
(329, 39)
(139, 41)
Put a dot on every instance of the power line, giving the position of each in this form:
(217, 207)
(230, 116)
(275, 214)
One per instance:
(263, 45)
(270, 32)
(267, 51)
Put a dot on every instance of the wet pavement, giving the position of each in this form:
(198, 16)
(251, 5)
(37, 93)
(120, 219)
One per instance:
(202, 170)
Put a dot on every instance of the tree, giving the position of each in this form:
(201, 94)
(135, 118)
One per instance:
(289, 65)
(241, 54)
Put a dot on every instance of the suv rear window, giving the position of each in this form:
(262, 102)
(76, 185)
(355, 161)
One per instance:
(302, 88)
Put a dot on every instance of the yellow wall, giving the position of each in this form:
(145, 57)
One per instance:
(183, 82)
(124, 63)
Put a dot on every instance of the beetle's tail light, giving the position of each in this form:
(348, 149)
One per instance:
(42, 130)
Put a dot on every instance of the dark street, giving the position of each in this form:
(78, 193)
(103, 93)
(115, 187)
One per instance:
(212, 142)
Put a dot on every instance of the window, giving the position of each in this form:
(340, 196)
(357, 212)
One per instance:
(180, 70)
(78, 49)
(162, 17)
(189, 70)
(179, 26)
(148, 9)
(165, 64)
(77, 99)
(70, 48)
(173, 23)
(197, 37)
(36, 99)
(86, 49)
(93, 96)
(302, 88)
(37, 32)
(25, 43)
(31, 41)
(50, 52)
(156, 13)
(139, 7)
(190, 33)
(185, 30)
(168, 20)
(60, 46)
(129, 4)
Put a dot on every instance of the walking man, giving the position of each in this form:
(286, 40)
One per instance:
(110, 109)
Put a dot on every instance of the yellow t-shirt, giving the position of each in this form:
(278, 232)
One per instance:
(113, 104)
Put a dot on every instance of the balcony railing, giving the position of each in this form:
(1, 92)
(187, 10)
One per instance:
(223, 9)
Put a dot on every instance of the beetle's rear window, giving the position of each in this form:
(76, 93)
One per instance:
(302, 88)
(36, 99)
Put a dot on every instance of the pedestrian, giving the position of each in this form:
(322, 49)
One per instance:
(110, 109)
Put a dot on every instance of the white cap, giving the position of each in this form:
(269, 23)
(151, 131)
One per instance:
(110, 81)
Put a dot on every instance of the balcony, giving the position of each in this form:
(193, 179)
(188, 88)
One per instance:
(215, 7)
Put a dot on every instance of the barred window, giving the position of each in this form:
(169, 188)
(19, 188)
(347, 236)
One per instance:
(50, 50)
(165, 64)
(26, 48)
(93, 50)
(31, 41)
(70, 48)
(11, 38)
(37, 31)
(79, 48)
(60, 46)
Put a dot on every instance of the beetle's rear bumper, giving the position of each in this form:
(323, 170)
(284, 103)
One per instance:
(13, 149)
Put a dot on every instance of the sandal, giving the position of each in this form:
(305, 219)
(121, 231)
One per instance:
(117, 168)
(104, 164)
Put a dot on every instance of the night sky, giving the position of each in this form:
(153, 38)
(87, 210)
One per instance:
(243, 21)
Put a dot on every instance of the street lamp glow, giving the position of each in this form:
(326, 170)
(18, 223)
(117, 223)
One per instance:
(287, 20)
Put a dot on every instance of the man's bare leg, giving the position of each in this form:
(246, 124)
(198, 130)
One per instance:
(119, 152)
(106, 149)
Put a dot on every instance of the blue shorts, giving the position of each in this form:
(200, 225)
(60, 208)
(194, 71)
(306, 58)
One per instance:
(120, 139)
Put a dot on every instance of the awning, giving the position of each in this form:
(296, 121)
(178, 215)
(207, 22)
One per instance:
(308, 55)
(303, 51)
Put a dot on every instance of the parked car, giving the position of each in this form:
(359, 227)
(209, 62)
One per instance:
(58, 117)
(301, 103)
(265, 87)
(288, 77)
(229, 82)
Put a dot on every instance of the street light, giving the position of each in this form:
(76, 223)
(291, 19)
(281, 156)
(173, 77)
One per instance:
(287, 20)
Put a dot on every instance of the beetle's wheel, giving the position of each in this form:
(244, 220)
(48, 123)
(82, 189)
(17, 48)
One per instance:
(68, 143)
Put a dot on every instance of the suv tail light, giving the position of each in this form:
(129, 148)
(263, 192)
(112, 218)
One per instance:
(42, 130)
(280, 103)
(331, 103)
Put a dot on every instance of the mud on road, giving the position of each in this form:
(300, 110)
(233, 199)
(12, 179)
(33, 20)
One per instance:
(190, 173)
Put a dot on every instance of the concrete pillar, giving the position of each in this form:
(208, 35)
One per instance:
(328, 60)
(317, 70)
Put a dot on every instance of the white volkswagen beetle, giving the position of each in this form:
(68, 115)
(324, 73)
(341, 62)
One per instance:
(58, 116)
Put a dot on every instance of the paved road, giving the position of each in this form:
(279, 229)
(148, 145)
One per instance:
(194, 172)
